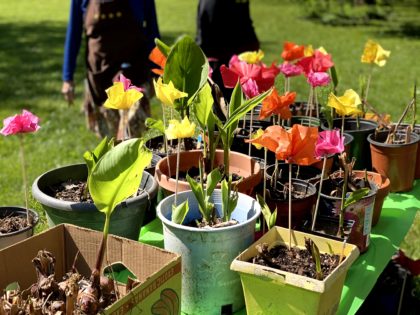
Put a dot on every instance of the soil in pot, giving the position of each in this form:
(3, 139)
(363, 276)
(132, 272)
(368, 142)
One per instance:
(12, 223)
(72, 295)
(396, 160)
(295, 260)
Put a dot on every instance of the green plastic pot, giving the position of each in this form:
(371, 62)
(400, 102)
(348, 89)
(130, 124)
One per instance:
(270, 291)
(126, 220)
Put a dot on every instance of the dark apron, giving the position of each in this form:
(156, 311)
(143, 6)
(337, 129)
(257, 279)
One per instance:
(115, 44)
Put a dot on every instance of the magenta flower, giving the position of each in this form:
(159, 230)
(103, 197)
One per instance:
(250, 88)
(318, 79)
(127, 84)
(290, 69)
(329, 142)
(27, 122)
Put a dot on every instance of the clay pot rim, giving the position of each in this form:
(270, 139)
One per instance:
(393, 145)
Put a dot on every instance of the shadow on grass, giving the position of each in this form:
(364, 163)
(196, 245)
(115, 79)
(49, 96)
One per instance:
(30, 59)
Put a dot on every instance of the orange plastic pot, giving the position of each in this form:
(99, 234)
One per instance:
(240, 164)
(395, 161)
(417, 131)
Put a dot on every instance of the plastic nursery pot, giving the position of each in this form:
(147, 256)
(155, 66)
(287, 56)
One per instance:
(305, 121)
(151, 168)
(272, 291)
(328, 227)
(240, 164)
(239, 144)
(395, 161)
(208, 284)
(359, 148)
(8, 239)
(307, 173)
(328, 165)
(361, 212)
(156, 145)
(299, 109)
(383, 185)
(126, 220)
(416, 130)
(301, 205)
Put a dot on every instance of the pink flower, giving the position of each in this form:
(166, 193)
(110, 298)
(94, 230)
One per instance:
(263, 76)
(329, 142)
(27, 122)
(318, 79)
(250, 88)
(290, 69)
(127, 84)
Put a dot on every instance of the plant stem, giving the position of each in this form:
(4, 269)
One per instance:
(324, 163)
(177, 170)
(25, 182)
(250, 131)
(342, 125)
(265, 175)
(103, 246)
(343, 197)
(367, 86)
(165, 141)
(290, 206)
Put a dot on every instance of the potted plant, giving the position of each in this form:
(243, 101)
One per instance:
(114, 178)
(208, 227)
(18, 223)
(269, 290)
(63, 194)
(349, 104)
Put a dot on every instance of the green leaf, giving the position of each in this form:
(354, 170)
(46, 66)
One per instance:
(334, 77)
(245, 107)
(180, 212)
(229, 199)
(164, 49)
(155, 124)
(203, 105)
(270, 218)
(212, 179)
(273, 219)
(14, 286)
(117, 175)
(199, 194)
(356, 196)
(317, 259)
(187, 67)
(92, 157)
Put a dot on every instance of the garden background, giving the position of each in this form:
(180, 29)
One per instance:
(31, 51)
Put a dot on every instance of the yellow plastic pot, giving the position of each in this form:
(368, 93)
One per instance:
(272, 291)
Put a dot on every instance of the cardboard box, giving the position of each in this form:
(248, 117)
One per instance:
(159, 271)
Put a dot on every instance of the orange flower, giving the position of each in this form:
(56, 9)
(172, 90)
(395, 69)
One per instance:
(269, 139)
(297, 145)
(158, 58)
(292, 51)
(277, 104)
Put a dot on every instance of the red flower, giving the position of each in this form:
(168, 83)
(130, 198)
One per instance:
(292, 51)
(318, 62)
(276, 104)
(24, 123)
(263, 76)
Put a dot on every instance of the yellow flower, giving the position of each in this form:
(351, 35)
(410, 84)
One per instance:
(323, 50)
(256, 135)
(346, 104)
(309, 51)
(120, 99)
(167, 93)
(374, 53)
(252, 56)
(178, 130)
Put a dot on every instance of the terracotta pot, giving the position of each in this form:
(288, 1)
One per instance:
(359, 148)
(301, 207)
(240, 164)
(417, 131)
(395, 161)
(383, 184)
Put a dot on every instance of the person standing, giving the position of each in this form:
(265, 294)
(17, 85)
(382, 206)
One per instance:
(224, 28)
(119, 36)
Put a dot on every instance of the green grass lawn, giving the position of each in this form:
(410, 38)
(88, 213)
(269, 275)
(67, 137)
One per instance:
(31, 49)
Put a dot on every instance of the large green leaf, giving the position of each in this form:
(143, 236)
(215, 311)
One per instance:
(92, 157)
(187, 67)
(203, 105)
(117, 175)
(164, 49)
(212, 179)
(155, 124)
